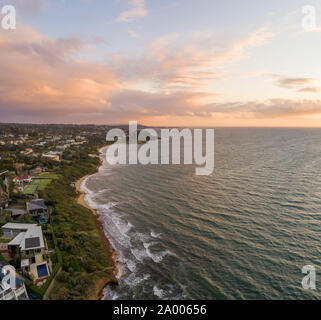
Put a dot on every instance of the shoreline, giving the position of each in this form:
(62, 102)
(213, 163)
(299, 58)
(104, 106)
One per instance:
(99, 283)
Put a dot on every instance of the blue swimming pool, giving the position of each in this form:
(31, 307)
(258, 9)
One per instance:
(42, 271)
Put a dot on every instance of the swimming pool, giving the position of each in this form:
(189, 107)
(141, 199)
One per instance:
(42, 271)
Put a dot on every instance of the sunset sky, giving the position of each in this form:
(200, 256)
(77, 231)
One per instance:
(161, 62)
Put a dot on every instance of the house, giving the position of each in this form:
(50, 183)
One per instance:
(22, 179)
(41, 144)
(28, 242)
(38, 210)
(51, 156)
(16, 213)
(14, 288)
(26, 151)
(35, 171)
(62, 147)
(17, 180)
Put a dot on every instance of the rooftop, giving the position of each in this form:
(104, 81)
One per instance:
(18, 226)
(36, 204)
(30, 237)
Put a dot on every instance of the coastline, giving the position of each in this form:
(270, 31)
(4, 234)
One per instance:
(100, 283)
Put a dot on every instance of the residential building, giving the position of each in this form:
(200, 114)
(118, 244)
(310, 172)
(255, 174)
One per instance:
(22, 179)
(12, 289)
(28, 242)
(36, 170)
(38, 210)
(51, 156)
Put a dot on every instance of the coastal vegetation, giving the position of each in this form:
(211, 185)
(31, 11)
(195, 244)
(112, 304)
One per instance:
(85, 259)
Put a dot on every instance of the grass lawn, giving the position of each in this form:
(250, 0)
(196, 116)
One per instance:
(19, 206)
(2, 240)
(41, 183)
(48, 175)
(30, 190)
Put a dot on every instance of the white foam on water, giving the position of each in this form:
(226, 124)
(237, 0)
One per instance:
(109, 294)
(147, 276)
(90, 202)
(133, 280)
(83, 186)
(117, 231)
(160, 293)
(122, 226)
(156, 257)
(140, 255)
(131, 265)
(155, 235)
(132, 247)
(108, 206)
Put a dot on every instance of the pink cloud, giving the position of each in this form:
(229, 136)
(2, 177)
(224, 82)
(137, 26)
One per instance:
(137, 10)
(191, 62)
(310, 90)
(42, 73)
(43, 79)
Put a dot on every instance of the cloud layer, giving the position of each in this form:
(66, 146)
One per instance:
(45, 80)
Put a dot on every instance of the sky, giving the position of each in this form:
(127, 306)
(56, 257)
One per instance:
(161, 63)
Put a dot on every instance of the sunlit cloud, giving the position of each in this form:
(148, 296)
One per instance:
(310, 90)
(293, 82)
(194, 62)
(137, 10)
(42, 75)
(44, 79)
(304, 85)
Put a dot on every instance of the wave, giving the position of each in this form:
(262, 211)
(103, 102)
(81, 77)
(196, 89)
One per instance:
(155, 235)
(158, 258)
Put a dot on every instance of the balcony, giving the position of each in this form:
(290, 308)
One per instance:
(7, 295)
(10, 294)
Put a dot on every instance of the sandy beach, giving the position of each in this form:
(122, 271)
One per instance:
(100, 283)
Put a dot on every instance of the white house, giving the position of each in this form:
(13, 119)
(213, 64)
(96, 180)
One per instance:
(12, 287)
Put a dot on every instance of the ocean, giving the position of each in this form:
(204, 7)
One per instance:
(244, 232)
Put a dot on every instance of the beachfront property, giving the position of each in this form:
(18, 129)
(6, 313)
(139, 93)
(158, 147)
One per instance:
(28, 243)
(38, 210)
(12, 289)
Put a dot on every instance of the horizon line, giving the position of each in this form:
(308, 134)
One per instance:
(143, 125)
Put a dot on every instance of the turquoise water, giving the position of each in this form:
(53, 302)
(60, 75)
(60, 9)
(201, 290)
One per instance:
(244, 232)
